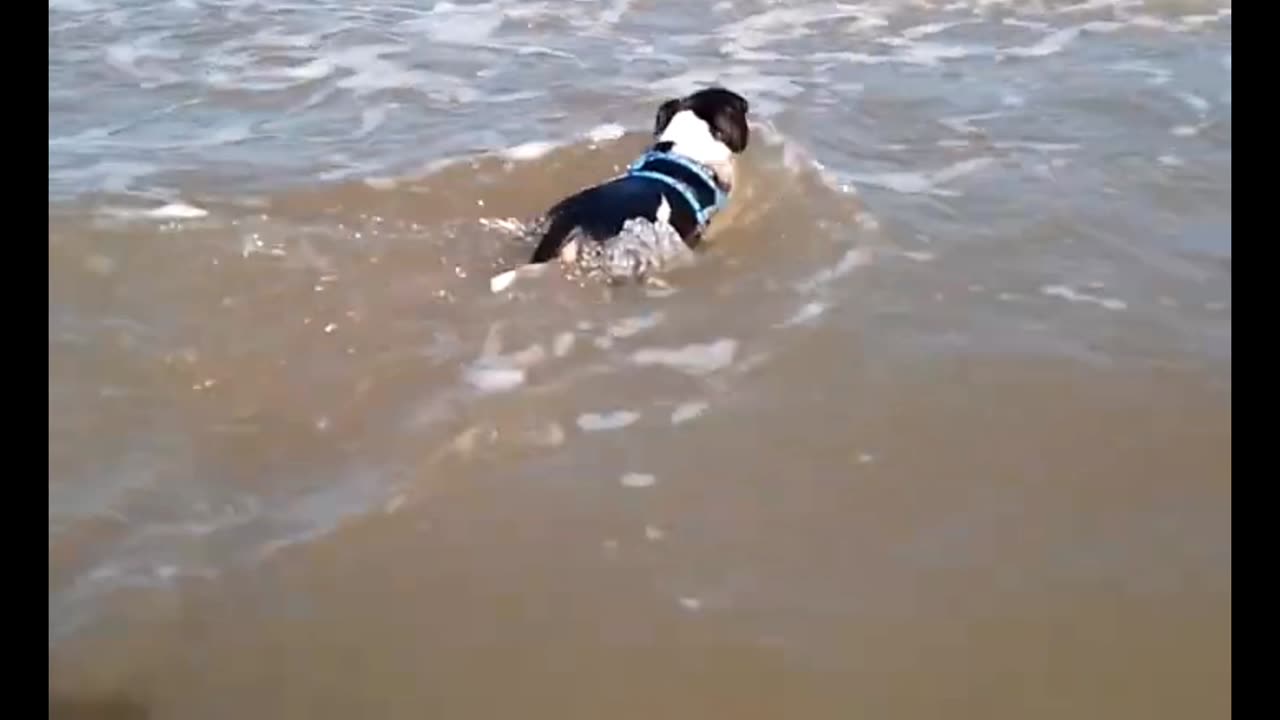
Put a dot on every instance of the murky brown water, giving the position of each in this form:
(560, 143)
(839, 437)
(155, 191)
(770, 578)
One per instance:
(939, 426)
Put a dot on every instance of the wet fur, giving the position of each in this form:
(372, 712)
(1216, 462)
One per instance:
(708, 127)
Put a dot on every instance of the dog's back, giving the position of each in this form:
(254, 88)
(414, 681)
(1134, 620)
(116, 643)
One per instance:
(673, 191)
(598, 214)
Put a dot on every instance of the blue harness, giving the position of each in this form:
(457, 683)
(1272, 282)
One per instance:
(703, 212)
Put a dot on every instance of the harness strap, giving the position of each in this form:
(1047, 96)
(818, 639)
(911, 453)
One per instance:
(704, 213)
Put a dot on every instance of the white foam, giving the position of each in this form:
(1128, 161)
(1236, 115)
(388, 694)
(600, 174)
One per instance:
(1030, 24)
(1154, 23)
(104, 572)
(1195, 21)
(919, 31)
(511, 226)
(529, 151)
(852, 259)
(627, 327)
(527, 357)
(929, 53)
(747, 55)
(371, 119)
(798, 159)
(177, 211)
(598, 422)
(394, 504)
(450, 24)
(807, 312)
(1052, 43)
(1088, 5)
(551, 436)
(963, 124)
(381, 183)
(615, 11)
(857, 58)
(74, 6)
(101, 265)
(690, 603)
(250, 244)
(1044, 147)
(769, 93)
(127, 58)
(1104, 27)
(1072, 295)
(490, 376)
(925, 183)
(605, 133)
(316, 69)
(658, 291)
(492, 341)
(789, 20)
(275, 39)
(563, 344)
(371, 72)
(695, 359)
(688, 411)
(653, 533)
(526, 50)
(1195, 102)
(1156, 75)
(637, 480)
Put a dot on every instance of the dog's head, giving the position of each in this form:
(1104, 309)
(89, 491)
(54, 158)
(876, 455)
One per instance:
(709, 127)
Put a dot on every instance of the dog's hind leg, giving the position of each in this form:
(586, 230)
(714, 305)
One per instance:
(566, 251)
(553, 241)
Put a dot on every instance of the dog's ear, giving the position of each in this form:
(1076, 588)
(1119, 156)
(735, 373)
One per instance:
(726, 112)
(733, 100)
(731, 126)
(666, 111)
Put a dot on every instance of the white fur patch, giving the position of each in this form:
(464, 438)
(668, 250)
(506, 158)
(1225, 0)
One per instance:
(664, 211)
(692, 138)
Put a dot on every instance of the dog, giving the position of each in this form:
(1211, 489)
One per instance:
(659, 209)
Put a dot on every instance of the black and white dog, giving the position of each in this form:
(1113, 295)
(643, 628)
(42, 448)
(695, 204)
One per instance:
(662, 205)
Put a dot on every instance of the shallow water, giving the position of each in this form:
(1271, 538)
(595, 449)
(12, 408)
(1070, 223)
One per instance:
(939, 423)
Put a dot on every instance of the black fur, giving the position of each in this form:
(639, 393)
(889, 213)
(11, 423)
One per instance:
(599, 213)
